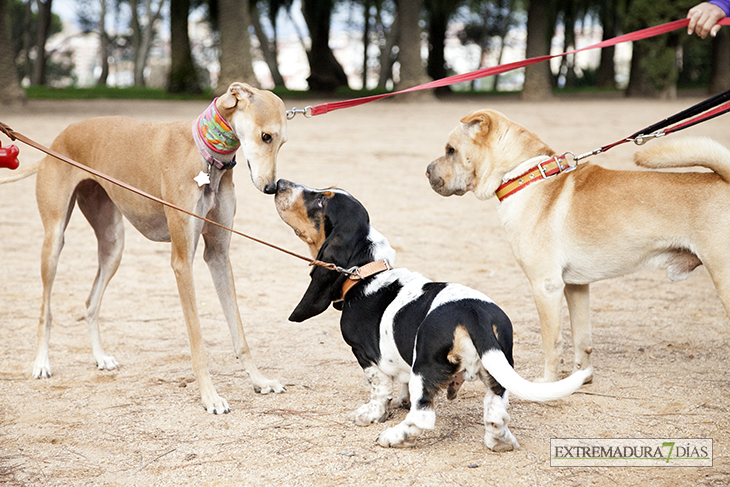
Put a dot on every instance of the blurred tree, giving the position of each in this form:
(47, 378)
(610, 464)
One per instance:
(236, 62)
(144, 30)
(43, 30)
(610, 16)
(183, 77)
(537, 85)
(326, 73)
(439, 13)
(720, 73)
(269, 9)
(10, 90)
(654, 69)
(412, 71)
(103, 45)
(486, 26)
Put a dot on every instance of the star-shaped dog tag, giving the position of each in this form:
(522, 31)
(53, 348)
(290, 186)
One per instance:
(202, 178)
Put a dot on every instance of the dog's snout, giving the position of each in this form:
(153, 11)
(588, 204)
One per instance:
(270, 188)
(282, 185)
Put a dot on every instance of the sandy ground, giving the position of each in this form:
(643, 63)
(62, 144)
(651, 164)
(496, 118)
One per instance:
(661, 348)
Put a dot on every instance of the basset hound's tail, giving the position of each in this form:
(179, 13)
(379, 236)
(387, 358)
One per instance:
(496, 364)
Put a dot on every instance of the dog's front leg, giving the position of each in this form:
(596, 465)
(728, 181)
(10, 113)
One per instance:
(548, 295)
(217, 241)
(184, 239)
(381, 388)
(578, 298)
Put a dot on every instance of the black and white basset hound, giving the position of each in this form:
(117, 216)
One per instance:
(402, 327)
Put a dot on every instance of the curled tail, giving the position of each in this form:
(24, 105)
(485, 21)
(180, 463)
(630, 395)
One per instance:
(21, 174)
(687, 152)
(496, 364)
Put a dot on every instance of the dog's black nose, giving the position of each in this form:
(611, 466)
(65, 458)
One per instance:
(270, 188)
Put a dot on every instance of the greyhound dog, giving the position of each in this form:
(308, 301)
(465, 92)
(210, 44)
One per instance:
(188, 168)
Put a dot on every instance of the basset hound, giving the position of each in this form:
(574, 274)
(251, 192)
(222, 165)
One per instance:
(404, 328)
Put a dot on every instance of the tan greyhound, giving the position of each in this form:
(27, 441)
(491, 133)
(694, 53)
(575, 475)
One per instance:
(185, 163)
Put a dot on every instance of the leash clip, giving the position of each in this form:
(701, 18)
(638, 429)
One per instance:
(306, 111)
(643, 139)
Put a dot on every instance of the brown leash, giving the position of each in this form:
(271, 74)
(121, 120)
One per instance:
(22, 138)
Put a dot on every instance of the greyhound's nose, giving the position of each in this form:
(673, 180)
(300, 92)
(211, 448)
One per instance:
(270, 188)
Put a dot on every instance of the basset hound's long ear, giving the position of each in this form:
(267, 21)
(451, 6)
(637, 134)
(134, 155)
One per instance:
(346, 225)
(325, 286)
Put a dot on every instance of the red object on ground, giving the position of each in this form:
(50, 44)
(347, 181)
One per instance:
(9, 157)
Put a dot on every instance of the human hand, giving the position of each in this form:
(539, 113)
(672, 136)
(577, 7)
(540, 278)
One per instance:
(703, 19)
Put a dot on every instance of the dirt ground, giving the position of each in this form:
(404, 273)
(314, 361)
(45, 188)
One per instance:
(661, 349)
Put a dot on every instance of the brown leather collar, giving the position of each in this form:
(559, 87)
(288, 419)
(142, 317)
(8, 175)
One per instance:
(362, 272)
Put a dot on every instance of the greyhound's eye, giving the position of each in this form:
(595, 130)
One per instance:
(266, 138)
(450, 151)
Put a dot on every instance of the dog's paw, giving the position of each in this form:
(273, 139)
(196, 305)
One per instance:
(42, 368)
(396, 437)
(106, 362)
(367, 414)
(218, 406)
(268, 386)
(504, 441)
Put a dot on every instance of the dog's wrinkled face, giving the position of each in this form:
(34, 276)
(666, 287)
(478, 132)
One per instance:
(303, 209)
(259, 119)
(480, 150)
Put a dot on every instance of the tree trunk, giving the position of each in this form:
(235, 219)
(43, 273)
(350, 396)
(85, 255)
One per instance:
(103, 46)
(438, 21)
(365, 42)
(326, 73)
(10, 91)
(537, 84)
(27, 39)
(387, 57)
(136, 40)
(235, 58)
(268, 48)
(720, 77)
(412, 71)
(44, 27)
(183, 78)
(606, 75)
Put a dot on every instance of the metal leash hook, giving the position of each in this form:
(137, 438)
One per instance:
(306, 111)
(642, 139)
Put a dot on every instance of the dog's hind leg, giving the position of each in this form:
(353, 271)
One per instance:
(216, 255)
(578, 299)
(106, 220)
(497, 435)
(56, 199)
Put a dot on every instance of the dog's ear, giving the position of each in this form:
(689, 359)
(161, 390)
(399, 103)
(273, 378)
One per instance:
(477, 124)
(326, 285)
(319, 294)
(346, 230)
(240, 92)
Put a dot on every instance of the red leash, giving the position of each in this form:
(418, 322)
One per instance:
(484, 72)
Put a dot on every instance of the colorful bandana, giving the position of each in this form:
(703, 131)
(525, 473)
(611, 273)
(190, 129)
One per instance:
(215, 132)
